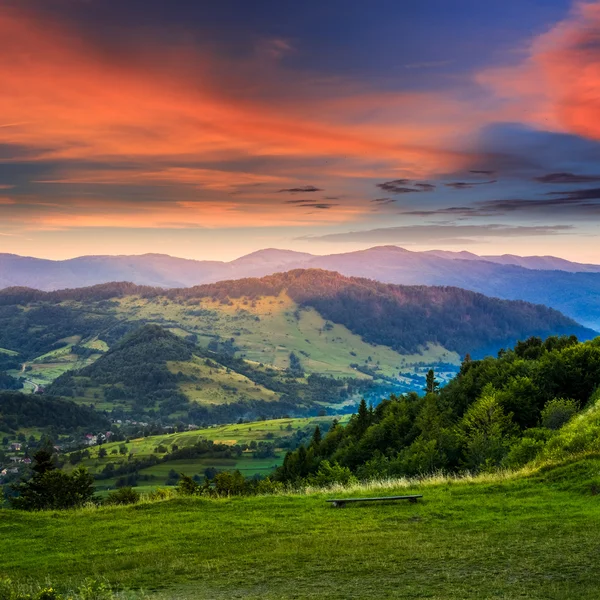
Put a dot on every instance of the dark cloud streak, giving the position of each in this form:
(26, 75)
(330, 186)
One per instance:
(567, 178)
(305, 188)
(465, 185)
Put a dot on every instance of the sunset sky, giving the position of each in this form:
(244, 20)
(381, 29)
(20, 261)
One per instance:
(211, 129)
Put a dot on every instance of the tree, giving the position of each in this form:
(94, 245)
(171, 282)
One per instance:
(363, 418)
(316, 438)
(187, 486)
(50, 488)
(230, 483)
(487, 432)
(102, 453)
(431, 384)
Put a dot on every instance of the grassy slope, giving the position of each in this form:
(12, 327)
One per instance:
(218, 385)
(265, 330)
(47, 367)
(9, 352)
(277, 332)
(529, 537)
(226, 434)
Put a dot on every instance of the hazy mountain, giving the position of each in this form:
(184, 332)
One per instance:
(572, 288)
(575, 294)
(543, 263)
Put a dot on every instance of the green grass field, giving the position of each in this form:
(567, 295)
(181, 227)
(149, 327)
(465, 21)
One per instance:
(534, 536)
(236, 433)
(9, 352)
(218, 385)
(243, 433)
(44, 369)
(268, 329)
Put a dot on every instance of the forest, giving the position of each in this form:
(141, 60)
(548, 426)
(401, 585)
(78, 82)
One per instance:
(497, 412)
(25, 411)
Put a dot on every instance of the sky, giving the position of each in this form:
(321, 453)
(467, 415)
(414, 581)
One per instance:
(209, 130)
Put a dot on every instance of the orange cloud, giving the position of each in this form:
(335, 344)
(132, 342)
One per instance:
(557, 86)
(71, 101)
(82, 213)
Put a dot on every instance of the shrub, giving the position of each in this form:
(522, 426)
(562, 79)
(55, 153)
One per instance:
(161, 494)
(124, 495)
(90, 589)
(187, 486)
(230, 483)
(329, 474)
(524, 451)
(266, 486)
(558, 412)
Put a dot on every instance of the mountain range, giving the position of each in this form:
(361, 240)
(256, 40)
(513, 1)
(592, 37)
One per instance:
(570, 287)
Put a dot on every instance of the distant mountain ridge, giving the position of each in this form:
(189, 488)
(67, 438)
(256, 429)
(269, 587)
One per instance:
(571, 288)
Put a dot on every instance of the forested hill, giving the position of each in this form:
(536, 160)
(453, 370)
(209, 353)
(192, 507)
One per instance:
(28, 411)
(404, 318)
(539, 399)
(152, 372)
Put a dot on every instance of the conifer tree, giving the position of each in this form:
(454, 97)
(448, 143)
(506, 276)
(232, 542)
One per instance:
(363, 418)
(316, 439)
(431, 384)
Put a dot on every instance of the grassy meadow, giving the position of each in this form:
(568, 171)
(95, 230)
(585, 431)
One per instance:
(44, 369)
(503, 536)
(241, 433)
(268, 329)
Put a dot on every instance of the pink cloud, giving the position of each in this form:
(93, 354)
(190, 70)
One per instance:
(557, 84)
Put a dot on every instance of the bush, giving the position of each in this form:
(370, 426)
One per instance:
(125, 495)
(558, 412)
(187, 486)
(90, 589)
(161, 494)
(266, 486)
(230, 483)
(328, 474)
(524, 451)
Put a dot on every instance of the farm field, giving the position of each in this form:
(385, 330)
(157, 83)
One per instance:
(501, 537)
(244, 433)
(44, 369)
(236, 433)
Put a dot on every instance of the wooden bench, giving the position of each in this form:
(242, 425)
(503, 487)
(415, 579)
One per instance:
(340, 502)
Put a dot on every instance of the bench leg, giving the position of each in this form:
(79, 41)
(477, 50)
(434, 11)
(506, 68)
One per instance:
(338, 504)
(412, 500)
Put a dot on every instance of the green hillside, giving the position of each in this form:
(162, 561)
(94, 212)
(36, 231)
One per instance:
(495, 537)
(538, 401)
(333, 325)
(153, 373)
(254, 448)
